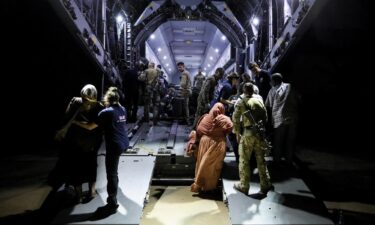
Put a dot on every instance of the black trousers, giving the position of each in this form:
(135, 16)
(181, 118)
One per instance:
(233, 141)
(131, 104)
(111, 166)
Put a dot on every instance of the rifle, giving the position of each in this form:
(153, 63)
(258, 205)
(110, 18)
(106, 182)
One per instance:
(259, 128)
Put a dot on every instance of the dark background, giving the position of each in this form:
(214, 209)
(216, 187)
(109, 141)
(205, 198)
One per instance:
(331, 67)
(46, 67)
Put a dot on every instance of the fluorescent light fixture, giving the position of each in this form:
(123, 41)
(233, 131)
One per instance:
(255, 21)
(119, 19)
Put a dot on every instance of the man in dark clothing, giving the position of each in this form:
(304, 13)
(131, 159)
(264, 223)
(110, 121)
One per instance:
(229, 90)
(112, 120)
(262, 79)
(130, 84)
(163, 83)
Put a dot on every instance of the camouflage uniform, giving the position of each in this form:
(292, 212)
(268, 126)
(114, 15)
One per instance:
(152, 95)
(250, 141)
(205, 97)
(197, 86)
(186, 92)
(198, 81)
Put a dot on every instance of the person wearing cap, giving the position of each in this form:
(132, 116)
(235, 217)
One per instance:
(228, 90)
(81, 140)
(261, 78)
(112, 120)
(282, 101)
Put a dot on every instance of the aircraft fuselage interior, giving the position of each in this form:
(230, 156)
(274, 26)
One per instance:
(178, 64)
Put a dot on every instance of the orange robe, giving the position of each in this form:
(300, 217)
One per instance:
(212, 148)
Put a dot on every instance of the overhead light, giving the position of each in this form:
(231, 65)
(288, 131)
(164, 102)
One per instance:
(164, 57)
(255, 21)
(212, 58)
(216, 50)
(152, 36)
(169, 69)
(167, 64)
(205, 68)
(119, 19)
(159, 49)
(223, 38)
(208, 65)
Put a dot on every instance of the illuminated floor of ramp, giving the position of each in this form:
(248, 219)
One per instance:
(176, 205)
(290, 203)
(135, 173)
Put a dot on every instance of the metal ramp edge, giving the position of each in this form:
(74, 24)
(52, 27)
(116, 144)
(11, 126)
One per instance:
(291, 203)
(135, 175)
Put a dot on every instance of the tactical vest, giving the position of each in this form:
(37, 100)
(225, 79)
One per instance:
(258, 111)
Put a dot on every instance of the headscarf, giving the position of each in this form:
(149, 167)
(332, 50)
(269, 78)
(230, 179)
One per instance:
(89, 93)
(217, 109)
(215, 124)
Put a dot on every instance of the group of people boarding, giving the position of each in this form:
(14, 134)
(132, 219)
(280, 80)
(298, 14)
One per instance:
(238, 118)
(243, 118)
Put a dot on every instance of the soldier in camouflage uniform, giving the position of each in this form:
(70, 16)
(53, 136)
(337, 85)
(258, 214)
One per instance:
(152, 95)
(250, 141)
(198, 81)
(206, 95)
(185, 85)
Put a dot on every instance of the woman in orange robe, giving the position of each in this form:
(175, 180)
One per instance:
(211, 131)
